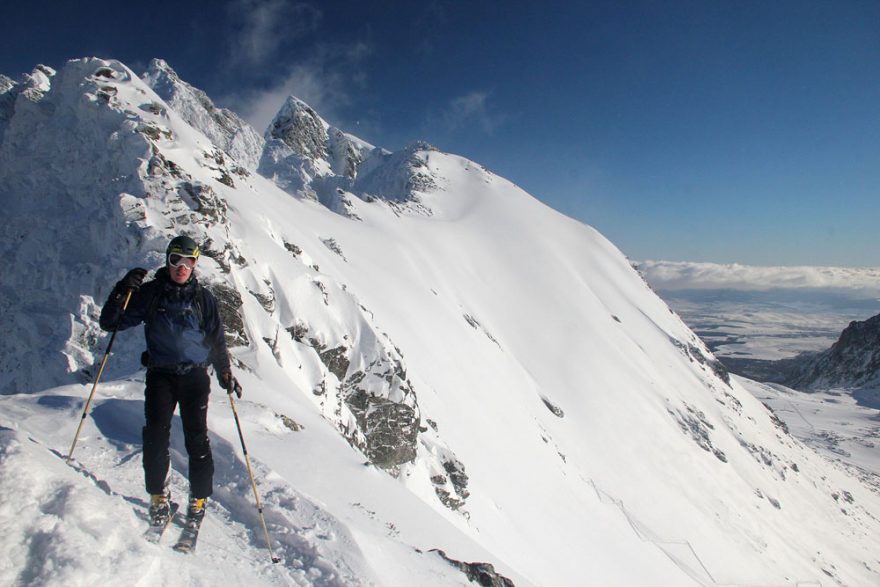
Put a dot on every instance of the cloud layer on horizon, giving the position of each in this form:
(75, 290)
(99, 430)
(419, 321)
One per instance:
(678, 275)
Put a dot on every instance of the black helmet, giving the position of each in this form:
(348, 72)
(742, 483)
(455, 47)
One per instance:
(182, 245)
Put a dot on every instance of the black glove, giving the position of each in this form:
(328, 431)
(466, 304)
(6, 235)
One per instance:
(230, 383)
(133, 279)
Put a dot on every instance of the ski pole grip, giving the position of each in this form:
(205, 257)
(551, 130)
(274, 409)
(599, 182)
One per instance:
(233, 387)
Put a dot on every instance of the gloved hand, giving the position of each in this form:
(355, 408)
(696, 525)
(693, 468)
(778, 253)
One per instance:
(133, 279)
(229, 383)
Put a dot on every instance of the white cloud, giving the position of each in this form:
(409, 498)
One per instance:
(326, 81)
(672, 275)
(468, 110)
(266, 24)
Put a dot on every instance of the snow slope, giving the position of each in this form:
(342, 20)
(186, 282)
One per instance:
(555, 419)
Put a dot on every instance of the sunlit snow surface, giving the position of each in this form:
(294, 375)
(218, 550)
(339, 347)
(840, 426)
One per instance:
(601, 443)
(832, 422)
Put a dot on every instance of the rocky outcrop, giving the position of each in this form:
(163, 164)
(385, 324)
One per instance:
(223, 127)
(300, 128)
(305, 136)
(307, 157)
(853, 361)
(396, 177)
(480, 573)
(389, 428)
(365, 390)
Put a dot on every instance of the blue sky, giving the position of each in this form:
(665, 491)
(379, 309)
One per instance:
(740, 131)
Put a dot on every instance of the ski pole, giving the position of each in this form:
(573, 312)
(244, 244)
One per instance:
(247, 460)
(98, 377)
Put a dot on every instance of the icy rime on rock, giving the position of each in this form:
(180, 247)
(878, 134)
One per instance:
(223, 127)
(695, 353)
(694, 423)
(384, 422)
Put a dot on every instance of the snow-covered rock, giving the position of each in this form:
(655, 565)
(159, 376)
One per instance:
(308, 135)
(224, 128)
(307, 157)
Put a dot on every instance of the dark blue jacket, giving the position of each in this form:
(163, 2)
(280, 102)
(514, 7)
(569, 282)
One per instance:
(182, 325)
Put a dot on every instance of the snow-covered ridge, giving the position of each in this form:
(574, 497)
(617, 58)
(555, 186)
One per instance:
(223, 127)
(521, 396)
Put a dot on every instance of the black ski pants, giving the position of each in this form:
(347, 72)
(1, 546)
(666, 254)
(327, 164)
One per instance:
(163, 393)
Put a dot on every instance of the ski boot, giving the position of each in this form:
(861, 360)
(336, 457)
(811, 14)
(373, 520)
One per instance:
(160, 508)
(195, 511)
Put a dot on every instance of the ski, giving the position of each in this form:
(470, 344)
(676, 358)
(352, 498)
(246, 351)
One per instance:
(188, 536)
(155, 531)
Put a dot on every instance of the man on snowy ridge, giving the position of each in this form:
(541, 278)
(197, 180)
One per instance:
(184, 334)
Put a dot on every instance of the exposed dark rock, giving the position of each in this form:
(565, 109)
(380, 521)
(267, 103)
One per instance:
(557, 411)
(386, 431)
(293, 249)
(204, 200)
(693, 422)
(480, 573)
(451, 487)
(336, 359)
(391, 429)
(266, 300)
(107, 93)
(777, 421)
(226, 179)
(695, 353)
(229, 304)
(155, 133)
(300, 128)
(852, 361)
(159, 165)
(331, 244)
(298, 331)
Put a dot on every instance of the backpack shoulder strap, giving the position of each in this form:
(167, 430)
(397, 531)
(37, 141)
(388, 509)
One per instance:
(199, 304)
(153, 305)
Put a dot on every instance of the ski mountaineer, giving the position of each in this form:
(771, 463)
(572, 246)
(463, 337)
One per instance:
(184, 333)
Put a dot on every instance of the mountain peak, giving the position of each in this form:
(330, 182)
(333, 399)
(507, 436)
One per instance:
(159, 67)
(299, 127)
(223, 127)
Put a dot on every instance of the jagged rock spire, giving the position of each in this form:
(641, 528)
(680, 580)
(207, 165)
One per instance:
(223, 127)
